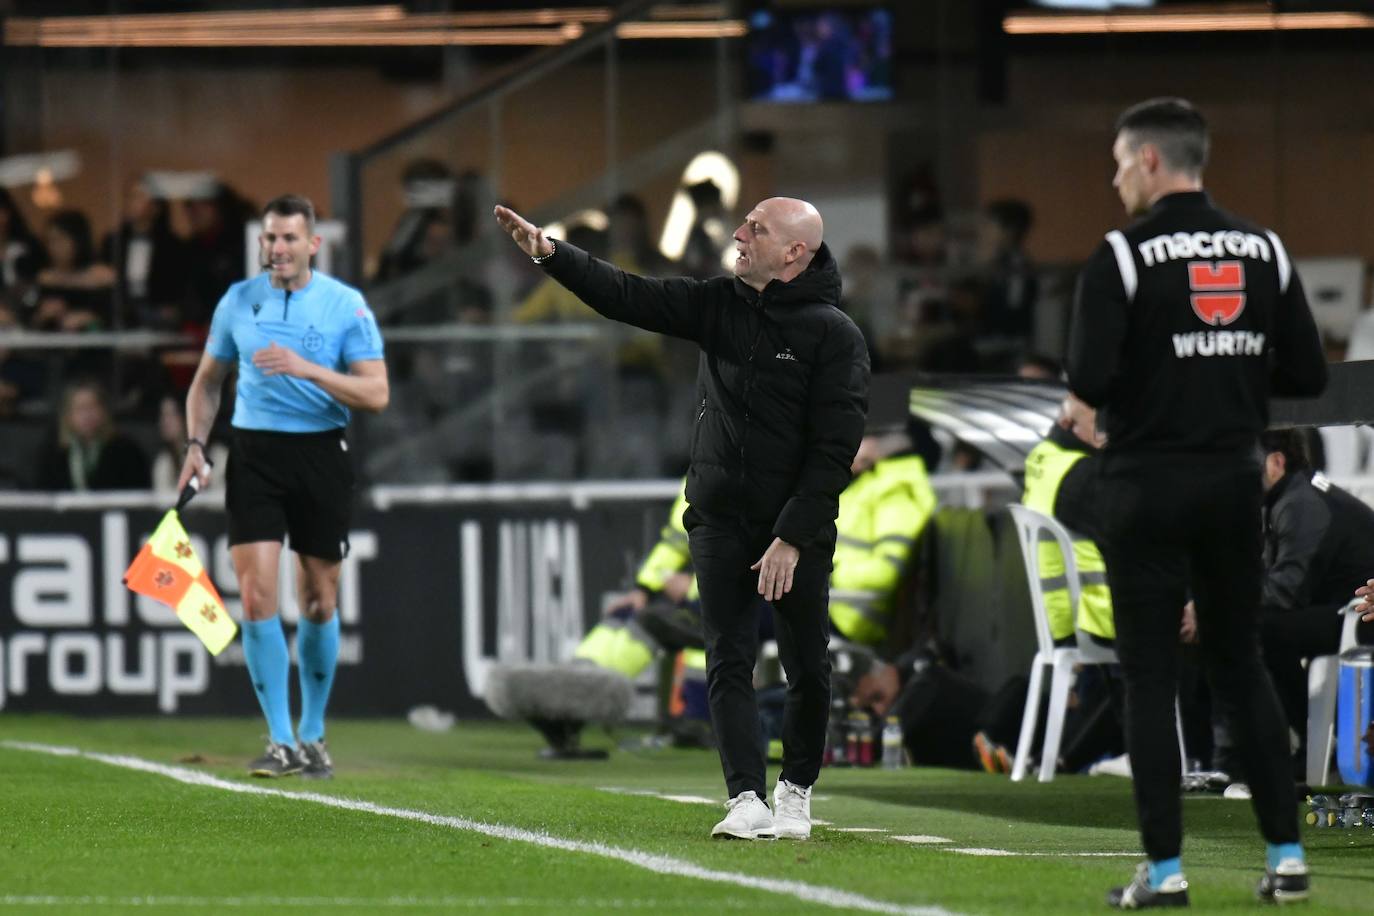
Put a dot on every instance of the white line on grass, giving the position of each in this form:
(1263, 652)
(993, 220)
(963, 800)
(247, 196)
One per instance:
(981, 851)
(315, 903)
(923, 838)
(660, 864)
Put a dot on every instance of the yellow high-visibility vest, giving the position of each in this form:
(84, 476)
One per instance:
(670, 555)
(882, 513)
(1046, 466)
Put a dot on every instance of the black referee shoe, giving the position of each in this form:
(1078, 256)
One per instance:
(277, 760)
(1138, 895)
(1286, 884)
(317, 762)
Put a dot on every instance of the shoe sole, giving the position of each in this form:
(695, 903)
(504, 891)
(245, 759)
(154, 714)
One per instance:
(752, 835)
(1283, 898)
(271, 774)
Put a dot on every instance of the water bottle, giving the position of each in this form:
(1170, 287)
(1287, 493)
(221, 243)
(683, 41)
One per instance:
(868, 737)
(892, 744)
(851, 738)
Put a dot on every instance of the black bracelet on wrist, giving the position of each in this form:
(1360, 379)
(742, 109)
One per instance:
(540, 259)
(196, 442)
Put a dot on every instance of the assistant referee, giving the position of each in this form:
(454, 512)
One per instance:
(307, 350)
(1185, 323)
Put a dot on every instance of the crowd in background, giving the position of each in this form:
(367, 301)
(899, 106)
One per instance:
(954, 295)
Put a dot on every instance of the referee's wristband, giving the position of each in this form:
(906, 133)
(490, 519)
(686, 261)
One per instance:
(542, 258)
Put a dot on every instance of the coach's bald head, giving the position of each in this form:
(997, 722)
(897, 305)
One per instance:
(777, 241)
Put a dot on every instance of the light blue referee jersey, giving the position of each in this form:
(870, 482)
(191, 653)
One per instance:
(327, 322)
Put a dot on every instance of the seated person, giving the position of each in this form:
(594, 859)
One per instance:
(882, 514)
(171, 452)
(89, 453)
(1318, 548)
(1060, 481)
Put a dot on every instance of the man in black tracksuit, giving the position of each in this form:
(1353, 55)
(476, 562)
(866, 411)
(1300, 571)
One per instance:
(1184, 324)
(782, 387)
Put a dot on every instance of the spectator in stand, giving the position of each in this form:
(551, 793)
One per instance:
(89, 453)
(1007, 282)
(426, 225)
(215, 246)
(74, 292)
(149, 261)
(629, 241)
(20, 252)
(709, 238)
(21, 378)
(171, 452)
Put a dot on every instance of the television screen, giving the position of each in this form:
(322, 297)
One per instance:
(820, 55)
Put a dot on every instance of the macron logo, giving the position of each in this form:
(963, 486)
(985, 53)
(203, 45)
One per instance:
(787, 354)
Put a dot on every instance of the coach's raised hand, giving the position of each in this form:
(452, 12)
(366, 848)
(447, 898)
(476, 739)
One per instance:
(528, 236)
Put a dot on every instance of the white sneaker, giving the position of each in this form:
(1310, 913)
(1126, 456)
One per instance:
(792, 810)
(749, 819)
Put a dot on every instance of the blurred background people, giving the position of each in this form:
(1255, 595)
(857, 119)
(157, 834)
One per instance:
(171, 450)
(149, 261)
(75, 292)
(88, 452)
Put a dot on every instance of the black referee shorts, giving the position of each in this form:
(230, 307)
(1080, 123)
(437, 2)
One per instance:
(297, 484)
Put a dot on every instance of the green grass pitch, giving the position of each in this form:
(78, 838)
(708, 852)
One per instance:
(80, 835)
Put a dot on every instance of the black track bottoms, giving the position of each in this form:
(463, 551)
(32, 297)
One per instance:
(722, 552)
(1181, 524)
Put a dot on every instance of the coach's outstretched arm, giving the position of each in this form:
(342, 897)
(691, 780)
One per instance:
(672, 306)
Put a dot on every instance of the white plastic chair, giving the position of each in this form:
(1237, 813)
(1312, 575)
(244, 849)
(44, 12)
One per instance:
(1323, 686)
(1061, 659)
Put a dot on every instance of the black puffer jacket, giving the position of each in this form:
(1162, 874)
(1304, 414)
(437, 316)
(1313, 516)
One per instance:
(782, 384)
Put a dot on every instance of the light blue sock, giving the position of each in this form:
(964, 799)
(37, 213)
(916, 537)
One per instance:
(317, 652)
(1162, 870)
(269, 666)
(1277, 852)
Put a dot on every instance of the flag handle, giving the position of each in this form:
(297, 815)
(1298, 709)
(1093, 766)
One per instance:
(188, 492)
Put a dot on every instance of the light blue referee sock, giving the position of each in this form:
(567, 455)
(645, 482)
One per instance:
(1163, 870)
(317, 653)
(1277, 852)
(269, 666)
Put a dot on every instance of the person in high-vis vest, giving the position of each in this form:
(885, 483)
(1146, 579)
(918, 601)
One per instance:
(622, 641)
(660, 614)
(1060, 477)
(882, 513)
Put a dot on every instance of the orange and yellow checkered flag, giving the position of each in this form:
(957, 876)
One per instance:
(168, 570)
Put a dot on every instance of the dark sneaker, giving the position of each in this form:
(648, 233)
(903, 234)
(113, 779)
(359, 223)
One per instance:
(277, 760)
(1138, 895)
(1286, 884)
(317, 762)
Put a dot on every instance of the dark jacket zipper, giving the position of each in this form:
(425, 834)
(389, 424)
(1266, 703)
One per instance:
(286, 305)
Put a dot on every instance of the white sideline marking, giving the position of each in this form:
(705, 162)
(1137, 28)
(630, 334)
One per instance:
(859, 829)
(659, 864)
(923, 838)
(689, 799)
(315, 903)
(980, 851)
(650, 793)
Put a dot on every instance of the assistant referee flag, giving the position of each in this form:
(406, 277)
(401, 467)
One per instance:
(168, 570)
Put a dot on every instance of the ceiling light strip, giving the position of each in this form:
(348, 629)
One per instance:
(1218, 21)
